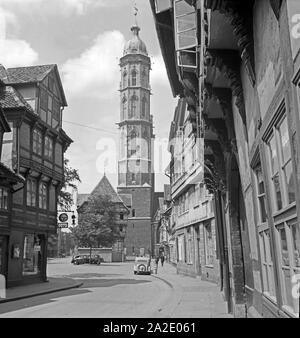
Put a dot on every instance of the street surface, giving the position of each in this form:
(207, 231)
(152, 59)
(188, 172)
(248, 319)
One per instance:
(109, 290)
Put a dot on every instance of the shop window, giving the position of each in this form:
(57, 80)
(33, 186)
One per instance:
(37, 144)
(283, 189)
(289, 243)
(208, 244)
(32, 255)
(31, 187)
(189, 247)
(48, 148)
(3, 198)
(43, 195)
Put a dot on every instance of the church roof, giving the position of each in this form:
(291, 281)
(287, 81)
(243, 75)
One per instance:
(105, 188)
(135, 45)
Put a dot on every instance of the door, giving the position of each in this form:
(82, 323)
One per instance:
(3, 255)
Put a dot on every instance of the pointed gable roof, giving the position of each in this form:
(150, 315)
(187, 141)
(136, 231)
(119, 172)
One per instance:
(10, 98)
(28, 74)
(105, 188)
(31, 74)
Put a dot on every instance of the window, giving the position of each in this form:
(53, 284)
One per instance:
(37, 142)
(44, 99)
(261, 195)
(144, 103)
(121, 216)
(124, 106)
(162, 5)
(180, 248)
(133, 102)
(289, 242)
(208, 244)
(133, 77)
(186, 34)
(43, 195)
(280, 161)
(133, 212)
(3, 198)
(32, 255)
(31, 187)
(267, 264)
(125, 79)
(48, 148)
(189, 247)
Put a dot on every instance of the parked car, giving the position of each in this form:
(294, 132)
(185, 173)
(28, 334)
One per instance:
(96, 259)
(142, 265)
(78, 260)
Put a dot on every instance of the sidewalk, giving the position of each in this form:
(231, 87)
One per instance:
(193, 298)
(37, 289)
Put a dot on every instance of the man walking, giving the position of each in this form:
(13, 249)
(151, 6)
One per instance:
(162, 259)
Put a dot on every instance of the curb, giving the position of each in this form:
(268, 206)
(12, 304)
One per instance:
(164, 280)
(77, 285)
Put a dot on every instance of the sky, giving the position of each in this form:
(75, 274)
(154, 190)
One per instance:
(85, 38)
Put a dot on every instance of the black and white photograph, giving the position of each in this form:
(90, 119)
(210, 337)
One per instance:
(149, 162)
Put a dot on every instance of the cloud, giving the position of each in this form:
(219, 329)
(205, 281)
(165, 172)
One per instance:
(66, 6)
(96, 71)
(14, 52)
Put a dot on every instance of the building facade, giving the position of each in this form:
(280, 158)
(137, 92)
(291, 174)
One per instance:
(32, 99)
(135, 166)
(238, 65)
(192, 207)
(9, 181)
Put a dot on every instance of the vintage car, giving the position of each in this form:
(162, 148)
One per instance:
(78, 260)
(142, 265)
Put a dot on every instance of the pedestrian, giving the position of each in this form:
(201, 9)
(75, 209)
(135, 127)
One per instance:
(162, 259)
(156, 264)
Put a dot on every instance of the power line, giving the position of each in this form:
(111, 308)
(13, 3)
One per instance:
(89, 127)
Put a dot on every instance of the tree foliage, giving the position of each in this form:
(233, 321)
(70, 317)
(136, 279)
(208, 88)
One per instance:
(71, 179)
(96, 223)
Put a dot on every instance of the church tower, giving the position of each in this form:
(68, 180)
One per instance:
(135, 165)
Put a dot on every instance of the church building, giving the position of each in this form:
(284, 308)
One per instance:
(135, 166)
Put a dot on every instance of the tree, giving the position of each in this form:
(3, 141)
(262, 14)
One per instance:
(96, 223)
(71, 178)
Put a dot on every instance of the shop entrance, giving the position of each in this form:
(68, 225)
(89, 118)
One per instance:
(3, 255)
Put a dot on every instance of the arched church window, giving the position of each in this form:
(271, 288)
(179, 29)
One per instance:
(133, 77)
(124, 105)
(132, 143)
(144, 77)
(144, 105)
(125, 78)
(133, 105)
